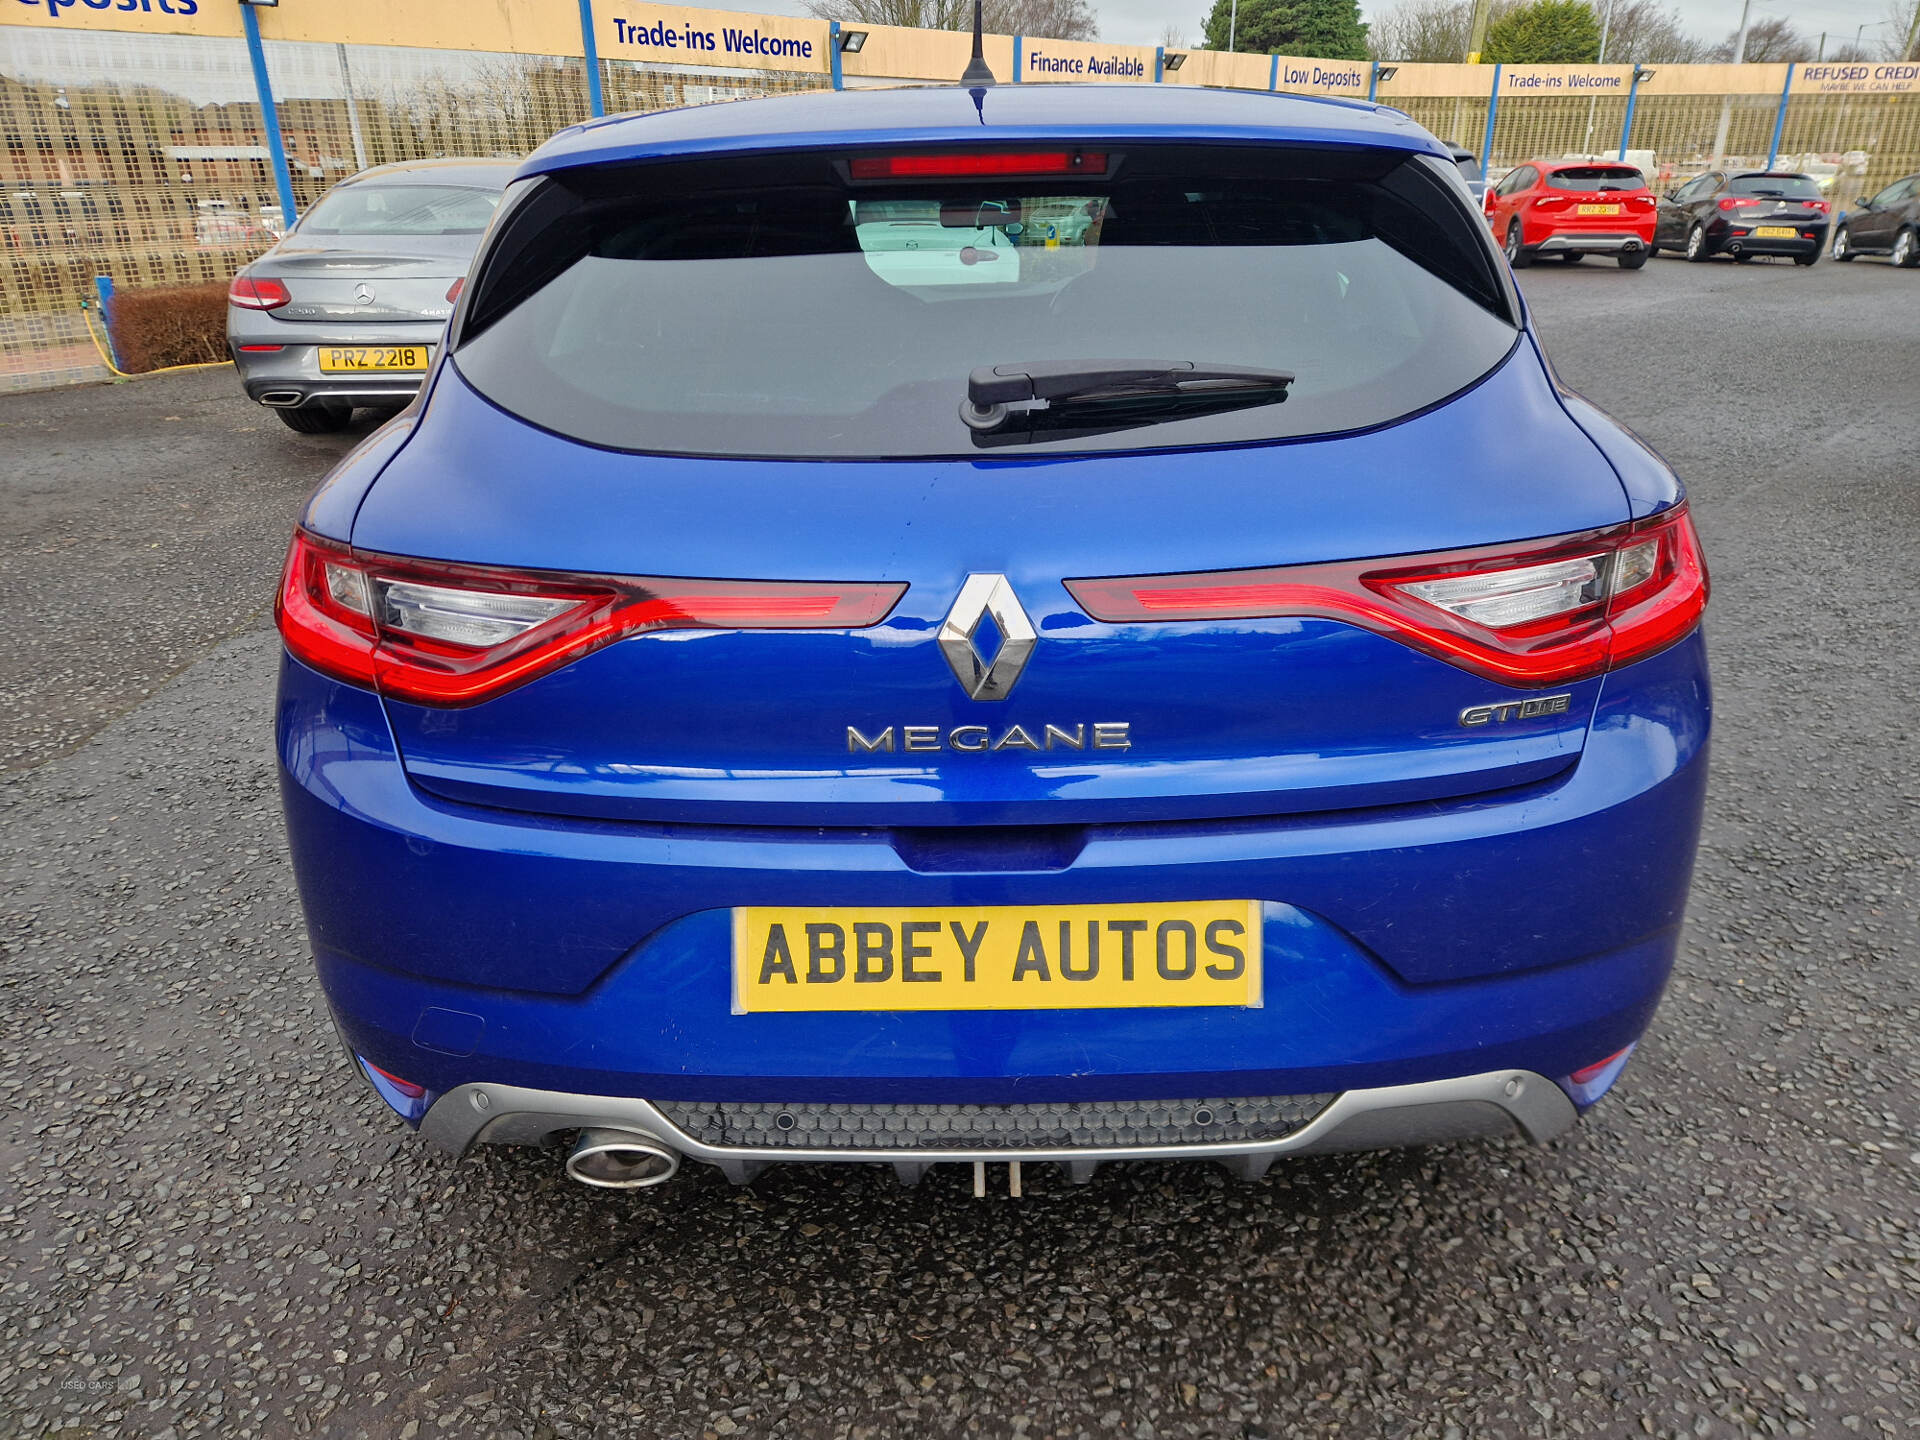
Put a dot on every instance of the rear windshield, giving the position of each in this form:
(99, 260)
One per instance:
(375, 209)
(1597, 177)
(1792, 187)
(790, 306)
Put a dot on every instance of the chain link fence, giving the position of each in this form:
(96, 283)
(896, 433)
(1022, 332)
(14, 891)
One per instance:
(144, 157)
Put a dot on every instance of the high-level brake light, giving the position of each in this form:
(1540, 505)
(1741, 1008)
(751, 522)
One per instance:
(451, 635)
(987, 163)
(1544, 614)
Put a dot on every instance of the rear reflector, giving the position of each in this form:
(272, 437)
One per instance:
(1587, 1074)
(1543, 615)
(262, 349)
(451, 635)
(999, 162)
(408, 1088)
(251, 294)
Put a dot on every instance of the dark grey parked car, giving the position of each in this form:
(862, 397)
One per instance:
(1744, 213)
(346, 310)
(1885, 224)
(1468, 164)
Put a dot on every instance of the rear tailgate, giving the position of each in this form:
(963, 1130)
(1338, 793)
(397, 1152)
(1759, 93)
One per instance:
(1120, 722)
(371, 285)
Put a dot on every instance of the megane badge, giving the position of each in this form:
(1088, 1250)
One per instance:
(363, 293)
(985, 678)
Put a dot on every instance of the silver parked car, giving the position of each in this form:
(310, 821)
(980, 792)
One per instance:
(346, 310)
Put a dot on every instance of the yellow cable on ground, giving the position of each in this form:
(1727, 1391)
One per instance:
(106, 355)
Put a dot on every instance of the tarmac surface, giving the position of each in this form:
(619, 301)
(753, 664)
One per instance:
(208, 1227)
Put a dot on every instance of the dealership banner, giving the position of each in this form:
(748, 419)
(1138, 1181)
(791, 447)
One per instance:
(1322, 77)
(673, 35)
(1066, 60)
(1565, 79)
(1864, 78)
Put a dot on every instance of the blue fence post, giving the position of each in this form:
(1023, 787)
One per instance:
(1493, 108)
(596, 101)
(269, 115)
(1780, 119)
(1016, 59)
(1626, 125)
(833, 52)
(103, 287)
(1273, 74)
(1373, 81)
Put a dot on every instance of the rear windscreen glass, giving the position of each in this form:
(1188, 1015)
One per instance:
(374, 209)
(789, 306)
(1597, 177)
(1790, 187)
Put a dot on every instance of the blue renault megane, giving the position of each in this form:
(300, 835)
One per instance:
(1053, 623)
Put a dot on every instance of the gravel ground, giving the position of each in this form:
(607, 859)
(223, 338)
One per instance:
(208, 1228)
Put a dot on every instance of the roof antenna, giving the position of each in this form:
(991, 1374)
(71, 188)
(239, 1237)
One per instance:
(977, 74)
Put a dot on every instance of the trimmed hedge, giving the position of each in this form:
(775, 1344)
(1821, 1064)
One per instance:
(170, 325)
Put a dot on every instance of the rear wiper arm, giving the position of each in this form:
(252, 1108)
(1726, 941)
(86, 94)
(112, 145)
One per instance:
(992, 390)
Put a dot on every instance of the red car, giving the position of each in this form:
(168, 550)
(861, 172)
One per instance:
(1573, 208)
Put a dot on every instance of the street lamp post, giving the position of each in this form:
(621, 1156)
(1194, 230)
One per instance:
(1726, 105)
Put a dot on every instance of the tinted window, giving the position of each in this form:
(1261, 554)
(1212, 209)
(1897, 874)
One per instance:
(1597, 177)
(775, 306)
(1793, 187)
(377, 209)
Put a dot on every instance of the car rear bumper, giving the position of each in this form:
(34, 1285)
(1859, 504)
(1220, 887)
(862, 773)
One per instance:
(291, 376)
(1529, 930)
(1597, 243)
(1497, 1103)
(1740, 240)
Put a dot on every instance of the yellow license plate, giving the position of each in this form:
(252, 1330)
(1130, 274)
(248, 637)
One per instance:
(375, 357)
(1775, 232)
(1596, 209)
(997, 957)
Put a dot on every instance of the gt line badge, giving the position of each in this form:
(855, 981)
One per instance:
(1516, 710)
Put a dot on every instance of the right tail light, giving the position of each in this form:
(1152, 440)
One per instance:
(1543, 614)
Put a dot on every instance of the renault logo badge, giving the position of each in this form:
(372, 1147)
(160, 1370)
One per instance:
(985, 678)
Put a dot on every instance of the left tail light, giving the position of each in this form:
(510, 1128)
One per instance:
(1546, 614)
(452, 635)
(251, 294)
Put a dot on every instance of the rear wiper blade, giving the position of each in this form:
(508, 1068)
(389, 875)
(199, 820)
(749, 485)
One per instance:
(993, 390)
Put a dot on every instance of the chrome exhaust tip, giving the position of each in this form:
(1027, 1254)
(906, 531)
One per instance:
(621, 1160)
(281, 399)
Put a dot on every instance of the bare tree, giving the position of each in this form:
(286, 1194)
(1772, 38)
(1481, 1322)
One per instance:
(1052, 19)
(1901, 31)
(1769, 41)
(1422, 30)
(1642, 32)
